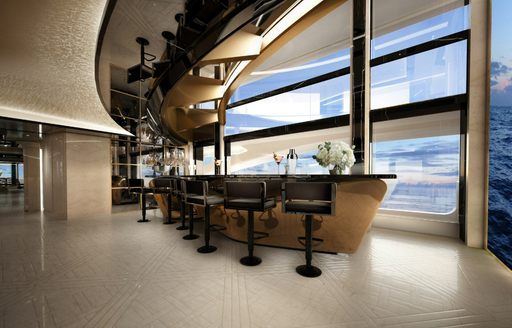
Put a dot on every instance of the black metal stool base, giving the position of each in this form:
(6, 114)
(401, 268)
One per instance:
(143, 220)
(250, 260)
(190, 237)
(182, 227)
(170, 222)
(206, 249)
(308, 271)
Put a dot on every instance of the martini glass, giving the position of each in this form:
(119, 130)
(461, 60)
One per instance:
(278, 159)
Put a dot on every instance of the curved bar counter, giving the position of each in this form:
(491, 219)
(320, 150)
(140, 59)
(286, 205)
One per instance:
(357, 200)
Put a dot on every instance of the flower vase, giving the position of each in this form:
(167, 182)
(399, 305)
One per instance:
(337, 170)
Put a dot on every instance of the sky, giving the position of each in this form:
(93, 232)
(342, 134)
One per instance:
(501, 54)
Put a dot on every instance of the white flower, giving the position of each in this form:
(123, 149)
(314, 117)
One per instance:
(335, 153)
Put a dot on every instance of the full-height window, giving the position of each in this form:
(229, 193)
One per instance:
(500, 135)
(299, 93)
(418, 87)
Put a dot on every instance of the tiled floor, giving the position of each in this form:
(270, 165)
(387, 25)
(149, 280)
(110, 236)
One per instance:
(114, 272)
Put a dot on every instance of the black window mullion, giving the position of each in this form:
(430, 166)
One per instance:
(291, 87)
(430, 45)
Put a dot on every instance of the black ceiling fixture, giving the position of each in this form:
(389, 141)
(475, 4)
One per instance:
(141, 71)
(170, 54)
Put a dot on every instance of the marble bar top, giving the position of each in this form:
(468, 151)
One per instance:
(311, 177)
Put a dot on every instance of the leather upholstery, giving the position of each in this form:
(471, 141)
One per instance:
(249, 196)
(200, 200)
(309, 197)
(308, 207)
(249, 204)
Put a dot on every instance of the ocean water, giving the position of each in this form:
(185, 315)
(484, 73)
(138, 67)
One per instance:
(500, 184)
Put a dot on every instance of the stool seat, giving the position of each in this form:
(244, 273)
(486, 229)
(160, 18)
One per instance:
(308, 207)
(250, 204)
(204, 200)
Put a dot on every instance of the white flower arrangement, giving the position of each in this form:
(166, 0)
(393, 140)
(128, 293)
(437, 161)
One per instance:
(337, 154)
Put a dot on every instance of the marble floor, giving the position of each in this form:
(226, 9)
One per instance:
(114, 272)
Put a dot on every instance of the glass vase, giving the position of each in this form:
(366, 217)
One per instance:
(337, 170)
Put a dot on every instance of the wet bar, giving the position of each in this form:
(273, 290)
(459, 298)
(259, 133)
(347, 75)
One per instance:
(357, 200)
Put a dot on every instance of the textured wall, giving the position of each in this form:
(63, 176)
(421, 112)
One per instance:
(47, 63)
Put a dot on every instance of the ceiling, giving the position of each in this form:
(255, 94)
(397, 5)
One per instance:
(131, 19)
(47, 63)
(18, 131)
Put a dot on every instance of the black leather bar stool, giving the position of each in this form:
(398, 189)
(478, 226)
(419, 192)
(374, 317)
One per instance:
(137, 186)
(309, 198)
(196, 193)
(251, 197)
(178, 193)
(165, 186)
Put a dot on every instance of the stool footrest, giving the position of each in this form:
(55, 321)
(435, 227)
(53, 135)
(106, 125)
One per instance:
(260, 234)
(302, 241)
(217, 227)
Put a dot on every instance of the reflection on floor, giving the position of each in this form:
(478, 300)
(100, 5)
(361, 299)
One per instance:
(112, 271)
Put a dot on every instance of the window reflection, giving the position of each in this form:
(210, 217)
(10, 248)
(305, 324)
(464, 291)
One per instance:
(256, 156)
(427, 171)
(450, 22)
(267, 80)
(326, 99)
(431, 74)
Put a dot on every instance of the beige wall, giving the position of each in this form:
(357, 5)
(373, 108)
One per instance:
(31, 176)
(88, 175)
(476, 164)
(54, 175)
(76, 175)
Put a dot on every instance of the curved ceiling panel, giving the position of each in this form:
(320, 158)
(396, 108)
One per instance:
(47, 63)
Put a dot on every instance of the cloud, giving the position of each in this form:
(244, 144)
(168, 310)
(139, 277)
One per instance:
(498, 69)
(501, 92)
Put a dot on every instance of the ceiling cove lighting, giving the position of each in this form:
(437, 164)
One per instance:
(290, 17)
(283, 23)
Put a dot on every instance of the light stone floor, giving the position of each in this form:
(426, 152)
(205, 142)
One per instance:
(114, 272)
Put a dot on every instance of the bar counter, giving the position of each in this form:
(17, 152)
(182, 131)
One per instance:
(358, 198)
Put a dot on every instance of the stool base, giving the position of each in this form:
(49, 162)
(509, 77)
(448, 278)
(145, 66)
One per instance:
(190, 237)
(250, 260)
(206, 249)
(143, 220)
(182, 227)
(308, 271)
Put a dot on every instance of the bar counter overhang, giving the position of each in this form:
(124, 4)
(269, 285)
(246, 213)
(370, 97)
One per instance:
(358, 198)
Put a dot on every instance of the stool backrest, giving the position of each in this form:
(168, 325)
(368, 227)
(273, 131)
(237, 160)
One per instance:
(241, 189)
(162, 183)
(136, 183)
(309, 191)
(195, 188)
(254, 194)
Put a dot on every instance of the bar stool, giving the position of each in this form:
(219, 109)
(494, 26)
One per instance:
(178, 193)
(165, 186)
(196, 193)
(309, 198)
(249, 196)
(136, 186)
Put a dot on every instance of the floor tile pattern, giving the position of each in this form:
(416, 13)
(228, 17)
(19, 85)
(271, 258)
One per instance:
(114, 272)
